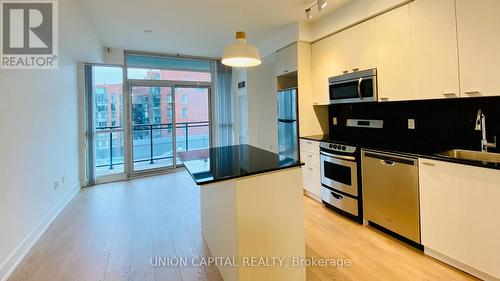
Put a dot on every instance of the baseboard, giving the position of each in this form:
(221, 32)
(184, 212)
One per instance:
(458, 265)
(11, 263)
(312, 195)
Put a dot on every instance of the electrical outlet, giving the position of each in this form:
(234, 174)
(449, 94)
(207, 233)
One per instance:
(411, 124)
(56, 185)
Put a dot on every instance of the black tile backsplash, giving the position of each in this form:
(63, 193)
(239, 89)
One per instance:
(446, 123)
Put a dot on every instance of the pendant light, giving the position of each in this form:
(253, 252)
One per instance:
(241, 54)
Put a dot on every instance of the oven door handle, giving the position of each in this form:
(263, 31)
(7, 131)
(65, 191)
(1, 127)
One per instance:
(343, 157)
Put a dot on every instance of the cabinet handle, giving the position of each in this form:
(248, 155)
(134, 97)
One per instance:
(309, 168)
(285, 71)
(309, 142)
(309, 155)
(449, 94)
(345, 71)
(355, 69)
(428, 164)
(472, 92)
(384, 99)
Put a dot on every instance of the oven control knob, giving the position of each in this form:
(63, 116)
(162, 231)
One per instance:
(343, 147)
(334, 146)
(331, 145)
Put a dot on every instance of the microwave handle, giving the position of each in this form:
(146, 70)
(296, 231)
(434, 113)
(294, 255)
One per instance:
(359, 88)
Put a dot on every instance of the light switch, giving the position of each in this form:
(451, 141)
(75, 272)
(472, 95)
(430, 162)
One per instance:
(334, 121)
(411, 124)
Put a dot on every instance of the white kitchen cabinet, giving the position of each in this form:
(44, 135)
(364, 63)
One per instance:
(286, 60)
(362, 46)
(459, 207)
(309, 154)
(394, 55)
(330, 57)
(478, 26)
(434, 49)
(309, 146)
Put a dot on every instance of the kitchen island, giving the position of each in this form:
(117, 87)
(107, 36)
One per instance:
(251, 210)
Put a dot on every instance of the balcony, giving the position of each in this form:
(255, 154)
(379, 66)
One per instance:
(152, 145)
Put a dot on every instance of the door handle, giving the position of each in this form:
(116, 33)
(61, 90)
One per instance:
(388, 162)
(336, 196)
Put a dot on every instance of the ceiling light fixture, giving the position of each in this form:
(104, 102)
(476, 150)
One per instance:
(321, 5)
(241, 54)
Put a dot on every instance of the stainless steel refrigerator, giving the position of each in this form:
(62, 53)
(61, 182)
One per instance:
(288, 125)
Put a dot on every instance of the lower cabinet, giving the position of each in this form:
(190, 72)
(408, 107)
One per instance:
(459, 208)
(311, 169)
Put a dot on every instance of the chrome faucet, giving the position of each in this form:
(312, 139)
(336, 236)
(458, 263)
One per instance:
(481, 126)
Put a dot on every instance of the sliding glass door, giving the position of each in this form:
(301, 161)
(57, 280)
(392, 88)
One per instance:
(104, 127)
(152, 116)
(141, 114)
(166, 119)
(192, 115)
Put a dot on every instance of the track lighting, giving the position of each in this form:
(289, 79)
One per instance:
(308, 14)
(321, 5)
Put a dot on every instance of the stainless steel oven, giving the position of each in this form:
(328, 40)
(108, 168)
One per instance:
(339, 172)
(340, 178)
(359, 86)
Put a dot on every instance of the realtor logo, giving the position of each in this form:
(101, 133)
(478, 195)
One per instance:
(28, 34)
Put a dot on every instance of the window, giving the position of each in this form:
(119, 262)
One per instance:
(144, 67)
(184, 99)
(184, 112)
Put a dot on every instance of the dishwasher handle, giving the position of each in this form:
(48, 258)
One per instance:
(390, 160)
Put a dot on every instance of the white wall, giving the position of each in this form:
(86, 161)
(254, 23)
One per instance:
(288, 35)
(77, 36)
(240, 106)
(262, 104)
(39, 146)
(39, 121)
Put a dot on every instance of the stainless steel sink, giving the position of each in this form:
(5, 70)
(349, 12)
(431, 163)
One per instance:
(471, 155)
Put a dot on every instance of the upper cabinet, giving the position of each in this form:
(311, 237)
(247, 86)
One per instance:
(478, 25)
(394, 55)
(426, 49)
(286, 60)
(347, 51)
(330, 57)
(434, 49)
(362, 46)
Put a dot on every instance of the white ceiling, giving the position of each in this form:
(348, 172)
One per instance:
(192, 27)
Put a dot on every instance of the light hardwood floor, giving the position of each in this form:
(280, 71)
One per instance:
(109, 232)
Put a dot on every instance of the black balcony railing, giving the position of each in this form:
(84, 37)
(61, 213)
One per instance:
(150, 129)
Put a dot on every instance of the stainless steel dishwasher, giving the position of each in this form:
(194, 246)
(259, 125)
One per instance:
(390, 192)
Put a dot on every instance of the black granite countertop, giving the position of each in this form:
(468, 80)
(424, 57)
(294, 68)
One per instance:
(230, 162)
(419, 151)
(317, 137)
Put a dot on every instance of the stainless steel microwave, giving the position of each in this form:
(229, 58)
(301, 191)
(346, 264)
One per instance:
(359, 86)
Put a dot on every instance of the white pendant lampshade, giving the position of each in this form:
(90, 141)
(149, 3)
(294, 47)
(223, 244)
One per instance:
(241, 54)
